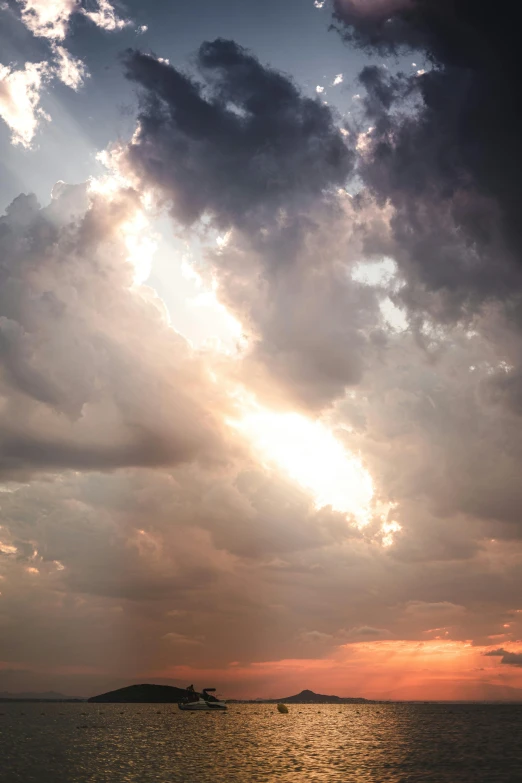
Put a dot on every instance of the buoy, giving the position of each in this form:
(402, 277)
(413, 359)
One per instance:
(282, 708)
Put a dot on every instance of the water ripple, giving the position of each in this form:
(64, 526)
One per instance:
(395, 743)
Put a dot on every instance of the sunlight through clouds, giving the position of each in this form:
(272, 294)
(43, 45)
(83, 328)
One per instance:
(137, 232)
(308, 452)
(389, 529)
(141, 246)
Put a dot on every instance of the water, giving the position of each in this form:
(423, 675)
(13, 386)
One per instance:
(401, 743)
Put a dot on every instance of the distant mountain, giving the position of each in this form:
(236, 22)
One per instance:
(309, 697)
(143, 694)
(47, 696)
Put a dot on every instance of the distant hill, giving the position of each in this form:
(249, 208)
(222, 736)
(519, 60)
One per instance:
(309, 697)
(47, 696)
(143, 694)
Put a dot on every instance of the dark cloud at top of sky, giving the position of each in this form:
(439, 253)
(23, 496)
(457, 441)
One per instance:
(240, 146)
(247, 150)
(449, 168)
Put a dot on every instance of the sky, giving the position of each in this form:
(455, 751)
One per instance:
(261, 347)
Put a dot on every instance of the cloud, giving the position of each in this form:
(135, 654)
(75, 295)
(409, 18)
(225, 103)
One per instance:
(20, 90)
(246, 152)
(443, 151)
(179, 638)
(106, 17)
(66, 338)
(441, 607)
(48, 19)
(20, 99)
(145, 513)
(250, 121)
(51, 18)
(311, 328)
(316, 637)
(509, 658)
(441, 155)
(367, 632)
(70, 70)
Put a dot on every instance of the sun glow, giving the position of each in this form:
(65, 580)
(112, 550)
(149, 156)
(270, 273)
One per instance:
(141, 247)
(388, 530)
(308, 452)
(136, 232)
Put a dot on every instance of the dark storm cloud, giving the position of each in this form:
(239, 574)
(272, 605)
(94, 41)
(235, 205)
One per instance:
(245, 148)
(449, 168)
(510, 658)
(240, 145)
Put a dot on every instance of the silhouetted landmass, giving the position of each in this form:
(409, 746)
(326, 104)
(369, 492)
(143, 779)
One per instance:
(143, 694)
(309, 697)
(156, 694)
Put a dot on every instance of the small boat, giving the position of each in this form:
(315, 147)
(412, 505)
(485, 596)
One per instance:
(202, 701)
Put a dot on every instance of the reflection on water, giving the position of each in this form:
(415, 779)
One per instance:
(93, 743)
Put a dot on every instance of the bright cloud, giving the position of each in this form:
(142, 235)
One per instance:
(7, 549)
(48, 18)
(20, 99)
(106, 17)
(70, 70)
(389, 529)
(51, 18)
(20, 89)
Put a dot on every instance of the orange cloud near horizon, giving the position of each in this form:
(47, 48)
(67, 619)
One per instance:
(397, 670)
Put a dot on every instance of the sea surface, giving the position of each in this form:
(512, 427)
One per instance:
(399, 743)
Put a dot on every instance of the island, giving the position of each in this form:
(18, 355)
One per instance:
(307, 697)
(143, 694)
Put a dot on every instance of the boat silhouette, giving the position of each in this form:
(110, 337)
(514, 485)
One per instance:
(203, 701)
